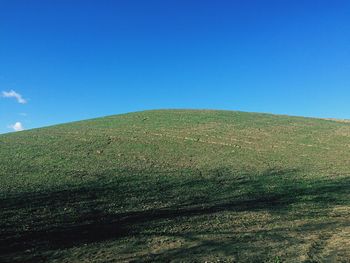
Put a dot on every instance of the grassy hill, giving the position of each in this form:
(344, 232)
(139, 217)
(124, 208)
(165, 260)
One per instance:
(177, 185)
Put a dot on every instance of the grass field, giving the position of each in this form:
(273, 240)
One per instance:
(177, 185)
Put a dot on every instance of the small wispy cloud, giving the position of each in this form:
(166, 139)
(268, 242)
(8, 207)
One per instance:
(17, 126)
(14, 94)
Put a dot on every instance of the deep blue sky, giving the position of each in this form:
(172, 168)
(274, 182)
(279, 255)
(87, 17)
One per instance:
(74, 60)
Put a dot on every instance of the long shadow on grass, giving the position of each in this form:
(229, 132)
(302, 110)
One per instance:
(35, 223)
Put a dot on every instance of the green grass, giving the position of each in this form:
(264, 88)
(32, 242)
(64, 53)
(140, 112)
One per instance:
(177, 185)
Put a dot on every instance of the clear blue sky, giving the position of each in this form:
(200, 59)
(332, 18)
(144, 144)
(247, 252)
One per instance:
(73, 60)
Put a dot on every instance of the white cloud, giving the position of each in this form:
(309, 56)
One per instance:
(17, 126)
(14, 94)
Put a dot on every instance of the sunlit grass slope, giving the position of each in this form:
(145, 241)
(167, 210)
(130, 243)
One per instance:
(177, 185)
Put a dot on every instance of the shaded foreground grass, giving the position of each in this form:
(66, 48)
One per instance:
(213, 214)
(177, 186)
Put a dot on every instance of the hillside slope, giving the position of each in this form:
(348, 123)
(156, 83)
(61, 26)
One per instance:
(177, 185)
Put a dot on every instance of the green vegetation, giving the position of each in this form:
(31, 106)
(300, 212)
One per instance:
(177, 185)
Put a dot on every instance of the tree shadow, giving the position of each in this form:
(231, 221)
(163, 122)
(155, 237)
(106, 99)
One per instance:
(46, 221)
